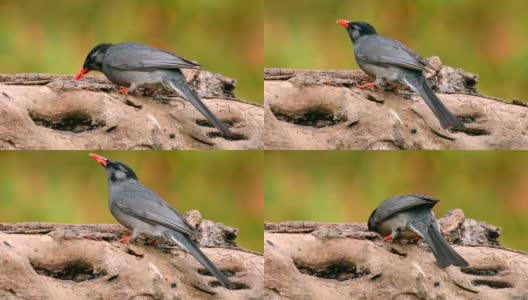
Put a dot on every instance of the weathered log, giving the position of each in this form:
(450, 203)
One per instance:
(45, 111)
(325, 110)
(308, 260)
(67, 261)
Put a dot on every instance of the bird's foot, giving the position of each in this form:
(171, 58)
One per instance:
(415, 240)
(125, 240)
(151, 92)
(368, 85)
(124, 91)
(392, 87)
(150, 242)
(388, 239)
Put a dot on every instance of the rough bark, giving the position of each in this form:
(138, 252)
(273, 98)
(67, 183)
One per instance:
(67, 261)
(325, 110)
(45, 111)
(308, 260)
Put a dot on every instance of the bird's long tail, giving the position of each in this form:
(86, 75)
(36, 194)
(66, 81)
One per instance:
(419, 85)
(185, 242)
(178, 83)
(444, 254)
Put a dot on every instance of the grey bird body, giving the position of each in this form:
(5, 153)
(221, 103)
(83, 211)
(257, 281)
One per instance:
(140, 209)
(410, 216)
(388, 60)
(136, 66)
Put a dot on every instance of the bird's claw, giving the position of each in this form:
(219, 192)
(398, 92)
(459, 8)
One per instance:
(388, 239)
(125, 240)
(368, 85)
(123, 91)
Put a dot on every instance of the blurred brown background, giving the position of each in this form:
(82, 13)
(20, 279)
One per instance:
(346, 186)
(71, 187)
(55, 36)
(489, 38)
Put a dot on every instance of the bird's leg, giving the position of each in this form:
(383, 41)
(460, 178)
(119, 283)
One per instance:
(391, 87)
(415, 240)
(368, 85)
(125, 240)
(151, 92)
(149, 242)
(124, 91)
(132, 88)
(393, 236)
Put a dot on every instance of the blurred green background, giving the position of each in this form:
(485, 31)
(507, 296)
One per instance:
(71, 187)
(55, 36)
(347, 186)
(489, 38)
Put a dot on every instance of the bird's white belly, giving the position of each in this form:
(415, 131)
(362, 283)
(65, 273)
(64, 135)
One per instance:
(141, 79)
(383, 73)
(397, 222)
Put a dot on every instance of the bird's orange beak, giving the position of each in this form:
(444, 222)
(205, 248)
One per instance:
(103, 161)
(81, 73)
(343, 23)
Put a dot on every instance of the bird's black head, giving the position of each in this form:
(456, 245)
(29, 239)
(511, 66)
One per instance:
(357, 29)
(94, 60)
(115, 171)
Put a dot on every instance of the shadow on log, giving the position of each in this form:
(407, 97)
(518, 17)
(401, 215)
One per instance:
(324, 110)
(67, 261)
(44, 111)
(307, 260)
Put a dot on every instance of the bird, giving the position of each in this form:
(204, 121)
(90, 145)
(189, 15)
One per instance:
(140, 209)
(136, 65)
(410, 217)
(389, 60)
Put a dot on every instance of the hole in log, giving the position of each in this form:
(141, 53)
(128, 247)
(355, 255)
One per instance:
(202, 141)
(216, 134)
(480, 272)
(492, 283)
(232, 137)
(397, 252)
(206, 123)
(318, 117)
(468, 119)
(132, 104)
(339, 270)
(77, 270)
(74, 122)
(476, 131)
(238, 285)
(227, 273)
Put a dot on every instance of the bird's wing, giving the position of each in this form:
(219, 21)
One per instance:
(380, 50)
(398, 204)
(138, 57)
(150, 208)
